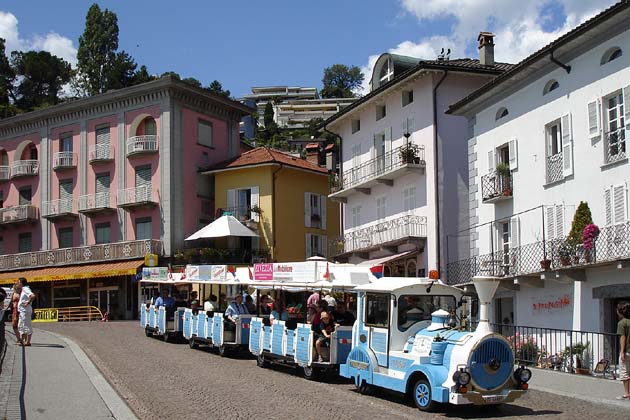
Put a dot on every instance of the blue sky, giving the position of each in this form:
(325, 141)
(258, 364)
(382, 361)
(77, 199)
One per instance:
(278, 42)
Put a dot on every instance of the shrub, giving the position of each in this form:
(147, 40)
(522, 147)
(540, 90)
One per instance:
(581, 219)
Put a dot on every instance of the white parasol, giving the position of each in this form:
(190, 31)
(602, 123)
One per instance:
(222, 227)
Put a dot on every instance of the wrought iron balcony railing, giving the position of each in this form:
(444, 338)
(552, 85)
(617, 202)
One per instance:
(96, 201)
(142, 144)
(379, 234)
(136, 195)
(380, 165)
(24, 168)
(615, 145)
(81, 255)
(554, 168)
(496, 187)
(58, 207)
(242, 213)
(64, 160)
(100, 153)
(5, 172)
(18, 214)
(612, 244)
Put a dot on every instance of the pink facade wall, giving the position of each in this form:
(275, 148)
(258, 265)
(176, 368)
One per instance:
(66, 174)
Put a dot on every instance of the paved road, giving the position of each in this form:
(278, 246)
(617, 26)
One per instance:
(164, 380)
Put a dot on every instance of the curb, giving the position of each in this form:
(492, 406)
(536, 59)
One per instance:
(622, 404)
(116, 405)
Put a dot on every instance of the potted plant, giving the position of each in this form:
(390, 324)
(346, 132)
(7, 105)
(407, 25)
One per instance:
(581, 219)
(565, 252)
(545, 264)
(207, 254)
(589, 234)
(409, 153)
(503, 169)
(256, 209)
(576, 354)
(192, 255)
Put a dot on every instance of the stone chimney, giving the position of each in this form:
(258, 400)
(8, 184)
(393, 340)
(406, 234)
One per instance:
(486, 48)
(312, 153)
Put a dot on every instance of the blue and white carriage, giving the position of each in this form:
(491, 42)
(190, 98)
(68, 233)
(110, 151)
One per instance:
(405, 340)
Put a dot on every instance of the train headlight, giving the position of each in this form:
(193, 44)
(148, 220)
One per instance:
(523, 375)
(461, 377)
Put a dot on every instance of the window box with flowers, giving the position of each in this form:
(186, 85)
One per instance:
(589, 235)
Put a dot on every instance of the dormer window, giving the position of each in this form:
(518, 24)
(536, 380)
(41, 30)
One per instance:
(502, 112)
(550, 85)
(387, 72)
(610, 55)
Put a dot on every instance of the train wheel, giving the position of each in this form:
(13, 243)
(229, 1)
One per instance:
(222, 351)
(261, 362)
(147, 332)
(422, 395)
(192, 343)
(310, 373)
(365, 388)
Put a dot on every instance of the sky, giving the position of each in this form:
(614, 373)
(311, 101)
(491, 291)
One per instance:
(246, 43)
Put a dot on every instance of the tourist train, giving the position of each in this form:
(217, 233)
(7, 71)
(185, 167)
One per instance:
(408, 336)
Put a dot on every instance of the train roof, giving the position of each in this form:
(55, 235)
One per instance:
(416, 285)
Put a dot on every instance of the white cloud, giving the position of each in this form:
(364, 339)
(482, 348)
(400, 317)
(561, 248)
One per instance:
(52, 42)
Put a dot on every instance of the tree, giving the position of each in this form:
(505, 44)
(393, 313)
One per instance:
(581, 219)
(268, 115)
(142, 76)
(172, 74)
(216, 87)
(192, 81)
(341, 81)
(121, 73)
(7, 76)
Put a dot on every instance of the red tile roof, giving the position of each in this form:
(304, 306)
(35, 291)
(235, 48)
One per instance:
(264, 155)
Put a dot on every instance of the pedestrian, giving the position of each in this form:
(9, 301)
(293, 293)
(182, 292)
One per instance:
(15, 303)
(25, 310)
(623, 331)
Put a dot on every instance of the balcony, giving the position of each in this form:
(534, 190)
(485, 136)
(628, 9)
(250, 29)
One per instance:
(535, 259)
(25, 213)
(554, 168)
(615, 146)
(221, 256)
(142, 144)
(24, 168)
(64, 160)
(496, 187)
(383, 169)
(5, 173)
(101, 153)
(131, 198)
(81, 255)
(58, 210)
(244, 214)
(94, 204)
(390, 233)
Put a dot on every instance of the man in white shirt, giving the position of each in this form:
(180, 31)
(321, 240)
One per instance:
(25, 309)
(235, 309)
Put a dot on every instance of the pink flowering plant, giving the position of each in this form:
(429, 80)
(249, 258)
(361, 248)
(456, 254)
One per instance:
(590, 233)
(525, 348)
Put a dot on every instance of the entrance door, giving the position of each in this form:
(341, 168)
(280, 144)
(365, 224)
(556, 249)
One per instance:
(105, 299)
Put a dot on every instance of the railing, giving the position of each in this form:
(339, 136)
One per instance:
(135, 195)
(5, 173)
(496, 186)
(242, 213)
(615, 145)
(81, 255)
(94, 201)
(380, 233)
(20, 213)
(24, 168)
(79, 313)
(146, 143)
(563, 350)
(221, 256)
(101, 152)
(612, 244)
(64, 160)
(554, 168)
(57, 207)
(377, 166)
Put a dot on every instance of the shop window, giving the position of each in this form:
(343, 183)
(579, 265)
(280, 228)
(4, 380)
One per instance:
(377, 310)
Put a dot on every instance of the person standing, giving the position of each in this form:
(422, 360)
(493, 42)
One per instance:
(25, 310)
(15, 315)
(623, 331)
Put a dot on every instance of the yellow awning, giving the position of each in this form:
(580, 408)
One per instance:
(72, 272)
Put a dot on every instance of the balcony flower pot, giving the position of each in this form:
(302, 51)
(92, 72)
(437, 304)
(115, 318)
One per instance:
(256, 209)
(409, 154)
(507, 192)
(545, 264)
(565, 261)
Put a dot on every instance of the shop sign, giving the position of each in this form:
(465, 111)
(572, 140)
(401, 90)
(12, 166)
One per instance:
(151, 260)
(154, 273)
(553, 304)
(218, 272)
(263, 271)
(46, 315)
(300, 271)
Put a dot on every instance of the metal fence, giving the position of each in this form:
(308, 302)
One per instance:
(496, 186)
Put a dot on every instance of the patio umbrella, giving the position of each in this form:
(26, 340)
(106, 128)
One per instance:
(222, 227)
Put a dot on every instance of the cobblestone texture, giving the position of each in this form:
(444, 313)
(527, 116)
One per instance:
(165, 380)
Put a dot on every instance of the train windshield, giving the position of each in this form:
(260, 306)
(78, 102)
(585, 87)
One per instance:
(417, 308)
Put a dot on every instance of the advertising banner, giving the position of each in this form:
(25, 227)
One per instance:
(263, 271)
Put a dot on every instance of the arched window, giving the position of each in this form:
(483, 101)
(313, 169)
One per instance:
(610, 55)
(551, 85)
(502, 112)
(387, 72)
(150, 128)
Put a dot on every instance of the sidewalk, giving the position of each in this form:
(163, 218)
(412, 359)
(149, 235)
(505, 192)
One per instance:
(596, 390)
(54, 379)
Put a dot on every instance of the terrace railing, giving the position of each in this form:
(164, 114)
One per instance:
(142, 144)
(24, 168)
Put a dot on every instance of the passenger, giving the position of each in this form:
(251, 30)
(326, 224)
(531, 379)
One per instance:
(312, 299)
(278, 312)
(166, 301)
(321, 306)
(326, 327)
(310, 313)
(265, 303)
(330, 300)
(194, 302)
(156, 294)
(251, 306)
(233, 311)
(211, 305)
(342, 316)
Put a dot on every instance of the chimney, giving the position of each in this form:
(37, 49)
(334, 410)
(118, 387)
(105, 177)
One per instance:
(486, 48)
(312, 153)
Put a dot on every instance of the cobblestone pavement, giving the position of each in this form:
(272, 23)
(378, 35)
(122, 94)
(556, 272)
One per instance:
(165, 380)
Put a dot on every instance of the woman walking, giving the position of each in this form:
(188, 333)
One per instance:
(15, 302)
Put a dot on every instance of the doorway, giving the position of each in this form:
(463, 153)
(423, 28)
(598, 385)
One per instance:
(106, 299)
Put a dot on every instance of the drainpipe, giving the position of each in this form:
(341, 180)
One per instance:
(436, 171)
(273, 208)
(554, 60)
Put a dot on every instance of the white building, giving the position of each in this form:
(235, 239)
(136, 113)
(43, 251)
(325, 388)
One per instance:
(297, 113)
(263, 94)
(557, 120)
(397, 204)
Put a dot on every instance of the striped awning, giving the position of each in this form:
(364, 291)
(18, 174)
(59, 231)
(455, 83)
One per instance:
(73, 272)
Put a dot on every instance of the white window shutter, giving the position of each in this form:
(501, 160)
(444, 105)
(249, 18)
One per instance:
(626, 112)
(515, 232)
(322, 210)
(594, 119)
(231, 199)
(559, 221)
(551, 223)
(308, 246)
(307, 209)
(620, 205)
(608, 205)
(491, 165)
(567, 145)
(513, 150)
(255, 200)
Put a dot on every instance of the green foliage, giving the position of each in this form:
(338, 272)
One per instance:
(341, 81)
(216, 87)
(503, 169)
(581, 219)
(192, 81)
(268, 116)
(174, 75)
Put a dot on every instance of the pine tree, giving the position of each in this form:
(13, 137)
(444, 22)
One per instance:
(581, 219)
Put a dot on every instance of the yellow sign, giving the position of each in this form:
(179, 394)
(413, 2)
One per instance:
(151, 260)
(46, 315)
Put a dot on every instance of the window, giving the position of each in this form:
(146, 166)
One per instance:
(65, 142)
(1, 245)
(387, 72)
(616, 204)
(610, 55)
(25, 196)
(143, 228)
(409, 199)
(550, 85)
(241, 200)
(356, 216)
(504, 241)
(416, 308)
(356, 126)
(504, 154)
(315, 210)
(150, 129)
(381, 207)
(25, 242)
(103, 233)
(408, 126)
(65, 237)
(103, 142)
(315, 245)
(143, 183)
(381, 112)
(377, 310)
(502, 112)
(204, 133)
(554, 138)
(102, 190)
(65, 196)
(616, 133)
(407, 97)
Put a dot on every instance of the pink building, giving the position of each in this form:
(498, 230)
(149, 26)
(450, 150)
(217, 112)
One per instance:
(89, 187)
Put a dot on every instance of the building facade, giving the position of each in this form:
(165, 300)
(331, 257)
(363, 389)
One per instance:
(297, 113)
(89, 187)
(404, 165)
(545, 136)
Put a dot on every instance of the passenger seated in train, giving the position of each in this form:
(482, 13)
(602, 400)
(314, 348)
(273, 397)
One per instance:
(193, 303)
(251, 306)
(278, 312)
(236, 308)
(168, 302)
(211, 305)
(326, 328)
(320, 307)
(342, 316)
(265, 304)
